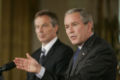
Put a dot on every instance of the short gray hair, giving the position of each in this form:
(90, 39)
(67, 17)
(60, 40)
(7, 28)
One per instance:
(86, 17)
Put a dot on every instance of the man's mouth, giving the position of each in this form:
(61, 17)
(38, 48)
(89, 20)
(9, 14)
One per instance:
(73, 37)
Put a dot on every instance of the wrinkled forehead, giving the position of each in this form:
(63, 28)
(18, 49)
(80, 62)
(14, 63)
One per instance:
(72, 17)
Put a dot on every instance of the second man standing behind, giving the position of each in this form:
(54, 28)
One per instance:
(53, 55)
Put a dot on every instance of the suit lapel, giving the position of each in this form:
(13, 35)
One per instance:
(68, 72)
(51, 51)
(79, 58)
(84, 51)
(37, 57)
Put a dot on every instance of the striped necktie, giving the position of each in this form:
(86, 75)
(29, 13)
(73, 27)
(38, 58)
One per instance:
(42, 57)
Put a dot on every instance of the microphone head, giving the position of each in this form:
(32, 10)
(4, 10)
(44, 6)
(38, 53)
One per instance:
(10, 65)
(7, 66)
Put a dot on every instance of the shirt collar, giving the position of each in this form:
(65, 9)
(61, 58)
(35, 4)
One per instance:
(48, 46)
(80, 47)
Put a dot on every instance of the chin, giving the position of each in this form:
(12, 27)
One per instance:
(41, 40)
(74, 43)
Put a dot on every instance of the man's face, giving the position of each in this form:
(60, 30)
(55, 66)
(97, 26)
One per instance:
(77, 31)
(44, 29)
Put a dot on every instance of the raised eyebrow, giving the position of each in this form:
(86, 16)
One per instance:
(75, 22)
(36, 26)
(45, 24)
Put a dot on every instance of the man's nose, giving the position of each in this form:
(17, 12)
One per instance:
(40, 29)
(70, 30)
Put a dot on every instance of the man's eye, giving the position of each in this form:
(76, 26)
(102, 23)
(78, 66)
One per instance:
(66, 27)
(74, 24)
(44, 25)
(36, 26)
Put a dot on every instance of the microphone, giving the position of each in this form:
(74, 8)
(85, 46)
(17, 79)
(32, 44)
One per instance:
(7, 66)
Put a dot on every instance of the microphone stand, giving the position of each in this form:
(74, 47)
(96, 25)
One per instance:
(1, 77)
(6, 67)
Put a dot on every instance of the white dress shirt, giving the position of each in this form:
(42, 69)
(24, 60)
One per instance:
(47, 47)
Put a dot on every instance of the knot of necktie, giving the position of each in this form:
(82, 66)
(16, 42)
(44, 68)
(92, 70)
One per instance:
(43, 51)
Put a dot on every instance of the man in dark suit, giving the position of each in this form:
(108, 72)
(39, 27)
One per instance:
(56, 53)
(93, 60)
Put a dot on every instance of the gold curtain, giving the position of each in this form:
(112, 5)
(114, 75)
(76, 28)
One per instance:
(107, 22)
(107, 26)
(15, 33)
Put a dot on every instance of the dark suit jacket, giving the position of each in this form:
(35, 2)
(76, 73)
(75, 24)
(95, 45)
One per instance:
(96, 61)
(56, 61)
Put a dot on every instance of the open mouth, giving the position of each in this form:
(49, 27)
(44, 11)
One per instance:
(73, 37)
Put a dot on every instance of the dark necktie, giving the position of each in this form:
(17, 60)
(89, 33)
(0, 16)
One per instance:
(76, 56)
(42, 57)
(74, 60)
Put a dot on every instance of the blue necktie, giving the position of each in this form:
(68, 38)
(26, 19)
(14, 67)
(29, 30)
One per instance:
(75, 56)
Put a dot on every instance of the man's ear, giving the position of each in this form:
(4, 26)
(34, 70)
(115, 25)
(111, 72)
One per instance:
(56, 28)
(90, 26)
